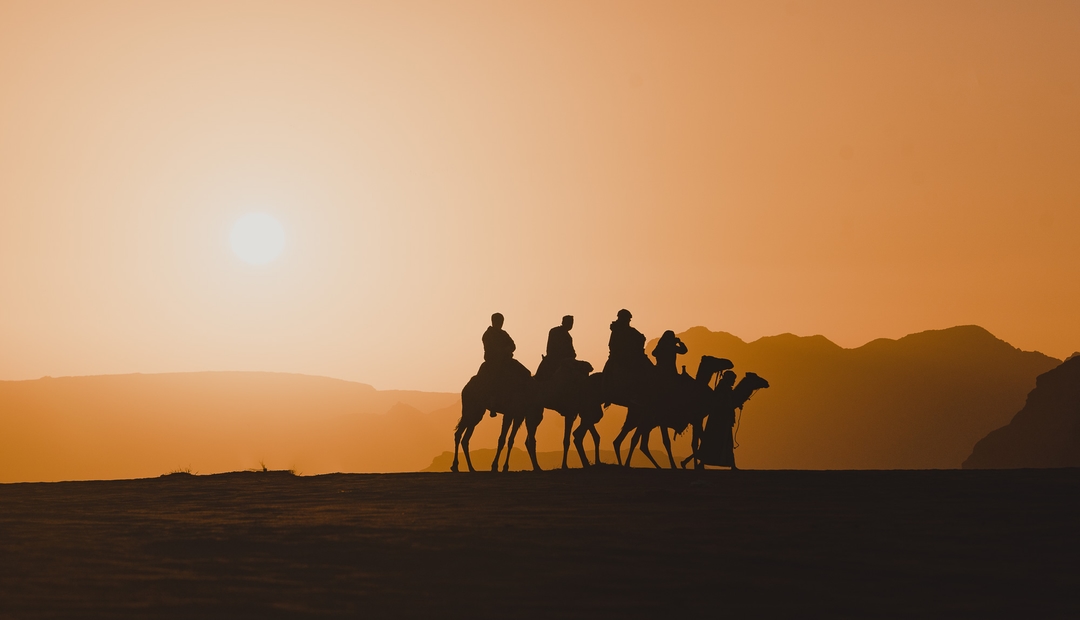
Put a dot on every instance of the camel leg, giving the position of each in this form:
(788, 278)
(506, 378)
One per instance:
(465, 446)
(502, 441)
(695, 442)
(596, 441)
(700, 430)
(626, 427)
(532, 422)
(568, 420)
(633, 444)
(645, 448)
(510, 445)
(457, 444)
(667, 446)
(579, 443)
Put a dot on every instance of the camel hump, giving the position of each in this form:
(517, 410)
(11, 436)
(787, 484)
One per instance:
(718, 364)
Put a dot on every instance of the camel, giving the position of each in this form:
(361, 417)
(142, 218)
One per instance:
(718, 443)
(516, 397)
(675, 402)
(574, 393)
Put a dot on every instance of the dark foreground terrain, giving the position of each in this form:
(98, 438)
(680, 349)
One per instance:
(584, 543)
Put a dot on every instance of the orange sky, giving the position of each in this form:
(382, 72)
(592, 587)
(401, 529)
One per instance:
(854, 169)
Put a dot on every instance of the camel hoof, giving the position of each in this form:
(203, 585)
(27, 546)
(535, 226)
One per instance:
(454, 468)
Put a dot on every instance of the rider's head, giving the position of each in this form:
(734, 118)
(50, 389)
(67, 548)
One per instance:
(727, 379)
(568, 322)
(624, 315)
(497, 320)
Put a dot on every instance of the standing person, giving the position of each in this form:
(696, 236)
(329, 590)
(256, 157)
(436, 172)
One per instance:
(717, 446)
(560, 348)
(667, 349)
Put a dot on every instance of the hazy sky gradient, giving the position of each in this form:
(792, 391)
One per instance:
(854, 169)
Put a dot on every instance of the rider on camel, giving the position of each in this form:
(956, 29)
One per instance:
(499, 347)
(666, 350)
(560, 348)
(627, 362)
(500, 370)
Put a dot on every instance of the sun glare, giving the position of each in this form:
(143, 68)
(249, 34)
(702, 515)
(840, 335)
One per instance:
(257, 238)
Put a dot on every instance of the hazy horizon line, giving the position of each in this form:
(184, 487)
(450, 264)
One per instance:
(415, 389)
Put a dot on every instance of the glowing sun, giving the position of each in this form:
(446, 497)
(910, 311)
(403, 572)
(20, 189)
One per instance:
(257, 238)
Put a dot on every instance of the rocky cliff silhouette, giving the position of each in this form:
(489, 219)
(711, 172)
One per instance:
(1045, 433)
(921, 401)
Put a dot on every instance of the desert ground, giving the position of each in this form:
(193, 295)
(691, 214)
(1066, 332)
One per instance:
(603, 542)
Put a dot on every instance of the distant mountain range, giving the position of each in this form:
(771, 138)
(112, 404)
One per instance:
(1045, 433)
(127, 426)
(922, 401)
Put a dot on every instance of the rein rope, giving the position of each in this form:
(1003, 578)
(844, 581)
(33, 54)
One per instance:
(738, 422)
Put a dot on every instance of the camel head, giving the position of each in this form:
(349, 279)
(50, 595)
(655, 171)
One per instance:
(750, 383)
(756, 382)
(710, 365)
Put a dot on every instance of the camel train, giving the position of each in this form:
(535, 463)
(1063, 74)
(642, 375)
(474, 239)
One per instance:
(655, 396)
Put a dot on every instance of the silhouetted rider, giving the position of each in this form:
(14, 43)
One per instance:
(560, 348)
(627, 362)
(626, 344)
(500, 371)
(499, 347)
(667, 349)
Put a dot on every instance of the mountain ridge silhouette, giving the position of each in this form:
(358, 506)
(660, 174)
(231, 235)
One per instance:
(915, 402)
(137, 425)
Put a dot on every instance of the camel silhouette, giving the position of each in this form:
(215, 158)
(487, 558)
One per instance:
(516, 396)
(714, 444)
(669, 402)
(572, 392)
(575, 392)
(653, 398)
